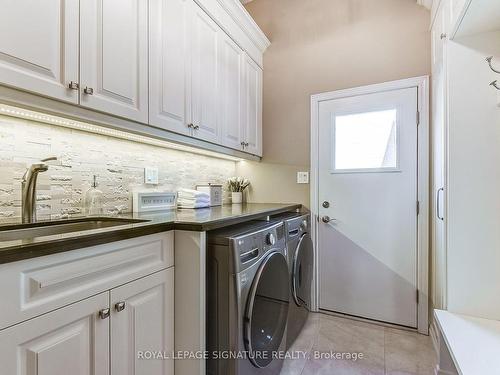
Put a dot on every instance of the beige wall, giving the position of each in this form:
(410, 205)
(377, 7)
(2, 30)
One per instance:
(273, 183)
(325, 45)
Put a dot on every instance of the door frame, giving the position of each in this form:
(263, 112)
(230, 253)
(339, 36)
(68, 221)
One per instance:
(422, 85)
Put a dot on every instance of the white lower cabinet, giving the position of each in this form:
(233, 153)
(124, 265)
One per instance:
(112, 332)
(142, 320)
(71, 340)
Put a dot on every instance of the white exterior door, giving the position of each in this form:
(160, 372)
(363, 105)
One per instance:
(39, 47)
(204, 53)
(169, 69)
(368, 189)
(230, 92)
(143, 320)
(252, 107)
(71, 340)
(114, 57)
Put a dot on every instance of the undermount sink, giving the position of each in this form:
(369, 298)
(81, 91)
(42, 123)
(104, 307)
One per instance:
(48, 228)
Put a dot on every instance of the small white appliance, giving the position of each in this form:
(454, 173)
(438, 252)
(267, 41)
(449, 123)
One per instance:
(147, 201)
(215, 192)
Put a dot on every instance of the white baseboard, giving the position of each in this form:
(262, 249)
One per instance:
(433, 333)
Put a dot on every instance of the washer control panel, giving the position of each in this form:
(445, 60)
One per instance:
(270, 239)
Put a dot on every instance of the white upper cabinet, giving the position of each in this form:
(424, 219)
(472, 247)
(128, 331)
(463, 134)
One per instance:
(204, 57)
(195, 70)
(230, 92)
(473, 17)
(71, 340)
(142, 320)
(114, 57)
(252, 107)
(169, 96)
(39, 47)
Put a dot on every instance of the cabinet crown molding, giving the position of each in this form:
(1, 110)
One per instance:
(241, 16)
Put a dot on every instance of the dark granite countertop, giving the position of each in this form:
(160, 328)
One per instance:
(194, 220)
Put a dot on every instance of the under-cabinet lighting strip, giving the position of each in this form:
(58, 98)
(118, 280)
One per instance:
(26, 114)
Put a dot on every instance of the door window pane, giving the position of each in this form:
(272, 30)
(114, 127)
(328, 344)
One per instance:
(366, 141)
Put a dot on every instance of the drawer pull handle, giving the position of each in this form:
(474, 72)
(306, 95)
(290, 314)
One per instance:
(73, 85)
(104, 313)
(88, 90)
(120, 306)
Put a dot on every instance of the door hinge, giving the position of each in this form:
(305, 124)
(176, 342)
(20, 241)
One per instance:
(417, 296)
(418, 118)
(418, 208)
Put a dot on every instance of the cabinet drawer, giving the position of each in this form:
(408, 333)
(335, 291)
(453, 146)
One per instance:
(36, 286)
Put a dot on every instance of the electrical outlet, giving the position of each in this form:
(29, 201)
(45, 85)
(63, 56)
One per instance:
(151, 176)
(302, 177)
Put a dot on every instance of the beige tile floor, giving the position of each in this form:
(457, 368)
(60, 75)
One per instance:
(385, 350)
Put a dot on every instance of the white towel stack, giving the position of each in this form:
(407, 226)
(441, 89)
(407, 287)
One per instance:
(187, 198)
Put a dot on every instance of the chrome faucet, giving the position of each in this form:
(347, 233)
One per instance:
(29, 189)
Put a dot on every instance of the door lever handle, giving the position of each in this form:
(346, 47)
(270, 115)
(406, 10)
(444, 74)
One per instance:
(326, 219)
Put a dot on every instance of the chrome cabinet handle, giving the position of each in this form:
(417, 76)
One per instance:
(73, 85)
(120, 306)
(246, 144)
(443, 36)
(190, 126)
(104, 313)
(243, 145)
(88, 90)
(438, 203)
(196, 127)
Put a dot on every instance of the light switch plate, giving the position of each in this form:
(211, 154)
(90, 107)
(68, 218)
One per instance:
(302, 177)
(151, 176)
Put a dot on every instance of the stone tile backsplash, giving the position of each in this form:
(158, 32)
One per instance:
(119, 166)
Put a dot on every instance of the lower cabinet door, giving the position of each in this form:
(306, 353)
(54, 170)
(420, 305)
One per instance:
(142, 326)
(71, 340)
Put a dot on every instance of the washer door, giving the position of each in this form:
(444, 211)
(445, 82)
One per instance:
(267, 310)
(302, 269)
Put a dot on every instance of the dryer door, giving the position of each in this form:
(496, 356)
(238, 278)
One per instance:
(267, 310)
(302, 270)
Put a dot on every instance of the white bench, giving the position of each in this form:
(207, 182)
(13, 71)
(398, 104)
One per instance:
(467, 345)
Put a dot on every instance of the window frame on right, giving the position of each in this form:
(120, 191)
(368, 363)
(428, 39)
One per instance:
(333, 167)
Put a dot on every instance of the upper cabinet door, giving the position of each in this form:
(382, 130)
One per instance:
(230, 92)
(204, 53)
(169, 96)
(39, 47)
(71, 340)
(114, 57)
(143, 320)
(252, 108)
